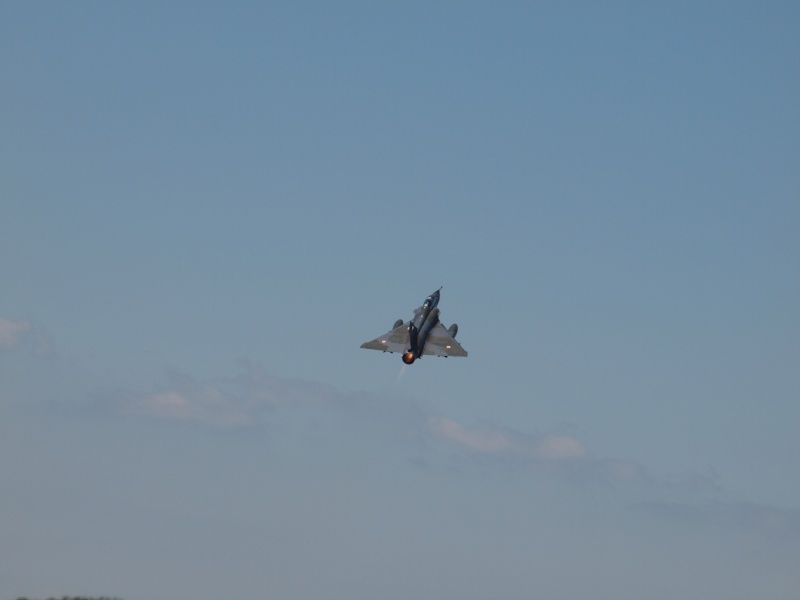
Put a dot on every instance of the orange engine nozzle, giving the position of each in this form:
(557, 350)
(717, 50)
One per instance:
(408, 357)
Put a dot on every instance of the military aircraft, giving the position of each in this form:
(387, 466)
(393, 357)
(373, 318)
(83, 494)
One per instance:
(423, 334)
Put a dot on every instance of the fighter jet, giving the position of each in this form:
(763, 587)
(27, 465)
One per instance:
(423, 334)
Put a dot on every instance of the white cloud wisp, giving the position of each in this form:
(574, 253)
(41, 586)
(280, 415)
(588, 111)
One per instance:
(11, 331)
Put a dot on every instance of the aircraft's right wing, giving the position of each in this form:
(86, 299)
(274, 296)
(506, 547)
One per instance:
(441, 343)
(395, 340)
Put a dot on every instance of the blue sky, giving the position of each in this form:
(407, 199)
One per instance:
(206, 209)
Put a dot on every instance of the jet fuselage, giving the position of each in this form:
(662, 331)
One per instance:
(425, 318)
(423, 334)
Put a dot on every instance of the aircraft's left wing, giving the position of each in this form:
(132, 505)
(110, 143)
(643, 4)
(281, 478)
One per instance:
(441, 343)
(394, 341)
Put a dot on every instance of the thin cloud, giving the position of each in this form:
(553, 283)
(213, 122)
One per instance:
(498, 441)
(209, 407)
(225, 402)
(24, 335)
(483, 441)
(244, 400)
(560, 447)
(11, 332)
(247, 399)
(556, 453)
